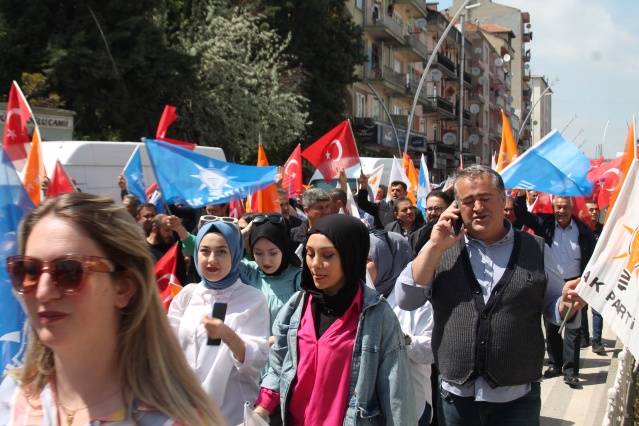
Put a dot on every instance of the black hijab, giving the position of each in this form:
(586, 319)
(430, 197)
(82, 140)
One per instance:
(350, 238)
(278, 234)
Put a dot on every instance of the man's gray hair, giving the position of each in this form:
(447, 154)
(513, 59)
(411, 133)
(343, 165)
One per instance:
(313, 196)
(563, 197)
(477, 171)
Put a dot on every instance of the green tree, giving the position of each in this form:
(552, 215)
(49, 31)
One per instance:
(245, 89)
(327, 44)
(107, 60)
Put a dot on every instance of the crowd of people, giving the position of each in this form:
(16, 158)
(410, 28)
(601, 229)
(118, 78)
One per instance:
(306, 315)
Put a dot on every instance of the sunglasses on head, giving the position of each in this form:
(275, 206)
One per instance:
(67, 272)
(225, 219)
(263, 218)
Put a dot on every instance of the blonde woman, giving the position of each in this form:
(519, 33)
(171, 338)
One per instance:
(100, 348)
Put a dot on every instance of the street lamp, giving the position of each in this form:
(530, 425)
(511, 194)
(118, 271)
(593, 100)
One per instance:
(428, 64)
(544, 93)
(460, 107)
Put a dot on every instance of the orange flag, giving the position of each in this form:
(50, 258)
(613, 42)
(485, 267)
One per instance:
(34, 171)
(508, 149)
(264, 200)
(629, 154)
(413, 176)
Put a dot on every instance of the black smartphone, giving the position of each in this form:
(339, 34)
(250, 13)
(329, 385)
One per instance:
(219, 312)
(457, 224)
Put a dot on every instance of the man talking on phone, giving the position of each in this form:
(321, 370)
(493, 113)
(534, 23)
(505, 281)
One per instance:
(488, 285)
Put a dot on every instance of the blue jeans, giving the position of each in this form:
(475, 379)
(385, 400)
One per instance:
(597, 325)
(459, 411)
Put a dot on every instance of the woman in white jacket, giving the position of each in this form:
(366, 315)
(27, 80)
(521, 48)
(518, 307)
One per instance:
(230, 371)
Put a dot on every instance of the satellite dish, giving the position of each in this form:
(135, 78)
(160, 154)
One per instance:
(420, 23)
(476, 71)
(478, 50)
(528, 25)
(482, 80)
(474, 139)
(510, 99)
(535, 123)
(506, 57)
(527, 66)
(499, 62)
(474, 108)
(435, 75)
(449, 138)
(502, 92)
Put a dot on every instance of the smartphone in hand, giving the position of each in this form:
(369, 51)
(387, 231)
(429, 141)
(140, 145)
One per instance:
(457, 223)
(219, 312)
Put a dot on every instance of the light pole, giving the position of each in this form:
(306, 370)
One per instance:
(544, 93)
(428, 64)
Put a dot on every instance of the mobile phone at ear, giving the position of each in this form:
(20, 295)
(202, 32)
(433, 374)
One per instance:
(219, 312)
(457, 223)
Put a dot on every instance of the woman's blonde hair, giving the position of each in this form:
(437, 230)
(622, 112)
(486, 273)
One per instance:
(152, 367)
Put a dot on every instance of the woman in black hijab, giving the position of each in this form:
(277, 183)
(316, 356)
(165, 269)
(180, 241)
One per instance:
(339, 354)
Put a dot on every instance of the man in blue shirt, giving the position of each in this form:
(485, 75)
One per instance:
(488, 286)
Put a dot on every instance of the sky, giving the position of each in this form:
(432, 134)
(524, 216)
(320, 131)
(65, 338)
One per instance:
(592, 48)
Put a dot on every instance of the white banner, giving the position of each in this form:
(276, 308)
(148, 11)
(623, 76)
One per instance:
(609, 283)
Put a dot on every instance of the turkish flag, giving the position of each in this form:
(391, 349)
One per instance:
(543, 204)
(60, 181)
(168, 117)
(236, 208)
(292, 179)
(606, 176)
(333, 151)
(580, 210)
(16, 137)
(166, 276)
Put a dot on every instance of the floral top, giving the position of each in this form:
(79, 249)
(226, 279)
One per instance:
(17, 410)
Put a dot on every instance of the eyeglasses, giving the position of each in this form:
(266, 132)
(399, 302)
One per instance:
(435, 209)
(67, 272)
(262, 218)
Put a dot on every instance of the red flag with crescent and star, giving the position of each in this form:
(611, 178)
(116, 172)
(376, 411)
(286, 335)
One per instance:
(292, 179)
(166, 277)
(16, 136)
(334, 151)
(606, 177)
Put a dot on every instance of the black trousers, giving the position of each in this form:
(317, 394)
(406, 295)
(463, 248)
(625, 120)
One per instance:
(563, 353)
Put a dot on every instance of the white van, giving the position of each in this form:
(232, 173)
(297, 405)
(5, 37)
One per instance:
(352, 173)
(95, 166)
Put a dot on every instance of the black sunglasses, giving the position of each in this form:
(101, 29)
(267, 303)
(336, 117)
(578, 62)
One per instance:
(262, 218)
(67, 272)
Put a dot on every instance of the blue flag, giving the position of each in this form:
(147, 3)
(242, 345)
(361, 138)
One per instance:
(553, 165)
(423, 186)
(186, 177)
(135, 176)
(14, 203)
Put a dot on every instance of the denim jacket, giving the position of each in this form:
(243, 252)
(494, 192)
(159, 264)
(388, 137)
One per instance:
(381, 386)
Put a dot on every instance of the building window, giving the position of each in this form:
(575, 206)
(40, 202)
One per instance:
(375, 110)
(397, 110)
(361, 105)
(359, 4)
(422, 125)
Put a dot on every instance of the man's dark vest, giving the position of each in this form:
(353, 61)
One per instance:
(501, 340)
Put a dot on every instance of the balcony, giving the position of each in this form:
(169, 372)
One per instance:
(446, 64)
(477, 63)
(414, 48)
(525, 94)
(419, 6)
(526, 76)
(477, 95)
(527, 37)
(467, 78)
(525, 17)
(466, 116)
(387, 78)
(526, 56)
(383, 28)
(439, 105)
